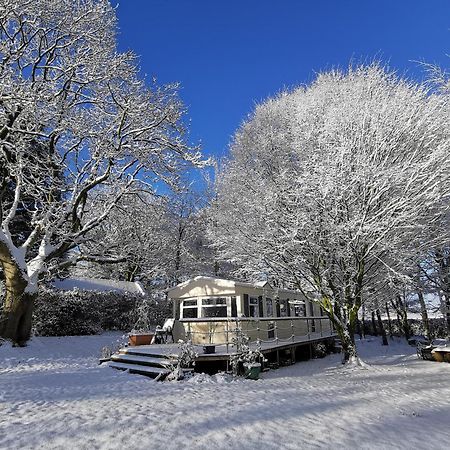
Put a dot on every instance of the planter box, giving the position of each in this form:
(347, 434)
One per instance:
(140, 339)
(441, 353)
(441, 356)
(252, 371)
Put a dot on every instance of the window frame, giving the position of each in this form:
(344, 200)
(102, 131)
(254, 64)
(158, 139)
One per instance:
(251, 305)
(226, 305)
(298, 305)
(284, 302)
(271, 309)
(190, 307)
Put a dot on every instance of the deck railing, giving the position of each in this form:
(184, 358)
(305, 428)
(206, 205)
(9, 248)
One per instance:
(220, 331)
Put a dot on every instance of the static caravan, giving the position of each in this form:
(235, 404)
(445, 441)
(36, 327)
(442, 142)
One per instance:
(211, 310)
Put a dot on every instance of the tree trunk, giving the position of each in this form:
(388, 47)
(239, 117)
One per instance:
(443, 260)
(381, 327)
(348, 347)
(424, 313)
(402, 316)
(423, 306)
(389, 320)
(363, 322)
(359, 328)
(347, 334)
(15, 322)
(446, 298)
(347, 338)
(344, 324)
(374, 325)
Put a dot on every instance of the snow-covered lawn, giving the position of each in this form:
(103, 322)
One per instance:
(54, 395)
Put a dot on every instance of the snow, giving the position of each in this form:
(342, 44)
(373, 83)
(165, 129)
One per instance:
(99, 285)
(53, 394)
(432, 314)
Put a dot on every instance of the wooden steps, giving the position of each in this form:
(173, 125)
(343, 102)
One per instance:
(142, 362)
(145, 352)
(153, 372)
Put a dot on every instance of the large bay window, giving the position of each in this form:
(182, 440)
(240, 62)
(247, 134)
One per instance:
(214, 307)
(196, 308)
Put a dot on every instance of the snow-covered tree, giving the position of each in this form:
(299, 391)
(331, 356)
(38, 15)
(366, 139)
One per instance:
(76, 122)
(161, 241)
(330, 184)
(135, 237)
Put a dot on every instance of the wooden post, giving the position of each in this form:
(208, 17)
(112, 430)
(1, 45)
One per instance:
(292, 331)
(320, 324)
(228, 337)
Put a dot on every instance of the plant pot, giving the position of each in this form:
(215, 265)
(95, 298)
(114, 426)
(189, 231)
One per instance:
(438, 356)
(252, 371)
(209, 349)
(140, 339)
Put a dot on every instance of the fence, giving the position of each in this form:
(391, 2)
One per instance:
(277, 330)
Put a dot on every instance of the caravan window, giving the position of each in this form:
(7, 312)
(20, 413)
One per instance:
(299, 309)
(283, 308)
(254, 306)
(190, 309)
(269, 307)
(214, 307)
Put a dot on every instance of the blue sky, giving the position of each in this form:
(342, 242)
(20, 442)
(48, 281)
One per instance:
(229, 54)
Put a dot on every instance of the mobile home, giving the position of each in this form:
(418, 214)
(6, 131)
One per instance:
(209, 311)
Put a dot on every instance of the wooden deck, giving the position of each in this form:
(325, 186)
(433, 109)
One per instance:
(224, 351)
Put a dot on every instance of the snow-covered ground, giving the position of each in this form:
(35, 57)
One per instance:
(53, 394)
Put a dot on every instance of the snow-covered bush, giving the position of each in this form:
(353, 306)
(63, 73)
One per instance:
(151, 311)
(244, 354)
(320, 350)
(187, 355)
(108, 350)
(66, 314)
(186, 360)
(59, 313)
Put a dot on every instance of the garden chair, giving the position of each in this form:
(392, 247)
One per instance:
(163, 333)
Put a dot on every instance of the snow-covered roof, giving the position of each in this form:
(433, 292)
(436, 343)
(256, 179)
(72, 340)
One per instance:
(99, 285)
(261, 283)
(231, 283)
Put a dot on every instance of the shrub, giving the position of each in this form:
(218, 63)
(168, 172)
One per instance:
(320, 350)
(76, 312)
